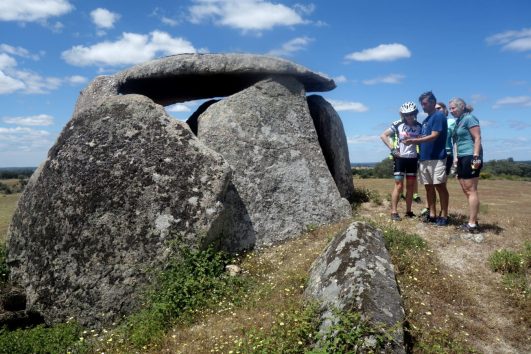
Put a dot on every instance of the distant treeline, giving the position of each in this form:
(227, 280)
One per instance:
(16, 172)
(506, 169)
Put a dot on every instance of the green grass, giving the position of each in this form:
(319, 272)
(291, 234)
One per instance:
(506, 261)
(195, 282)
(62, 338)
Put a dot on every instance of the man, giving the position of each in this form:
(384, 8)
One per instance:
(404, 156)
(432, 168)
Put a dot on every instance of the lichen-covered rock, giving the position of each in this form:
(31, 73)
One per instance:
(355, 273)
(123, 182)
(185, 77)
(267, 136)
(333, 142)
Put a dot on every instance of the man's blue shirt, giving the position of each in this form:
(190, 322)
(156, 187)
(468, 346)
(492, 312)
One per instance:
(435, 149)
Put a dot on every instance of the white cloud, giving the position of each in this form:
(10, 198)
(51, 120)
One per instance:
(25, 139)
(518, 124)
(37, 120)
(383, 52)
(35, 83)
(517, 41)
(131, 48)
(169, 21)
(33, 10)
(292, 46)
(522, 101)
(9, 84)
(76, 80)
(18, 51)
(252, 15)
(340, 79)
(6, 61)
(348, 106)
(305, 9)
(389, 79)
(362, 139)
(178, 107)
(104, 18)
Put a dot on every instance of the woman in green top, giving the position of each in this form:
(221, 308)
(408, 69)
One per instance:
(467, 138)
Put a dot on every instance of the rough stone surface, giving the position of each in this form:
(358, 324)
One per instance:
(123, 182)
(267, 136)
(333, 142)
(355, 273)
(186, 77)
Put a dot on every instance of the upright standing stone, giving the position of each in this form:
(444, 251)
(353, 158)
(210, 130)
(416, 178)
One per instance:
(333, 143)
(267, 136)
(123, 182)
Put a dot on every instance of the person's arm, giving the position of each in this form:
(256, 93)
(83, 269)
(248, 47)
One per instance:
(385, 138)
(476, 136)
(424, 139)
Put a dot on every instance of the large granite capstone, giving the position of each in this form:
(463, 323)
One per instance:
(124, 184)
(185, 77)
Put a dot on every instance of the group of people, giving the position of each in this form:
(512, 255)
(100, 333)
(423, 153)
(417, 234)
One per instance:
(433, 150)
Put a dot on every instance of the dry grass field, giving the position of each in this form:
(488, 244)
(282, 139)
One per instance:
(454, 302)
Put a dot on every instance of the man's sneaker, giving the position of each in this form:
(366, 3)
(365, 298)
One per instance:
(470, 229)
(442, 221)
(402, 197)
(395, 217)
(410, 214)
(416, 198)
(425, 212)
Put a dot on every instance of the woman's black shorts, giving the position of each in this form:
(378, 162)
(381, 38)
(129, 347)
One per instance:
(464, 168)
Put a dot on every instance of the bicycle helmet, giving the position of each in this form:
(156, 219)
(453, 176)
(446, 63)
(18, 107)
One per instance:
(408, 107)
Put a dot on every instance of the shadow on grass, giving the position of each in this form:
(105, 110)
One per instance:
(460, 219)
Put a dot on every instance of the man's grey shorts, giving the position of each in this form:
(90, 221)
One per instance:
(432, 171)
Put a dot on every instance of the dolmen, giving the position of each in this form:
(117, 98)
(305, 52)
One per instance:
(125, 182)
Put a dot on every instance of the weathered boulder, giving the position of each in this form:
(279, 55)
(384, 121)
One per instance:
(355, 273)
(185, 77)
(267, 136)
(122, 184)
(333, 142)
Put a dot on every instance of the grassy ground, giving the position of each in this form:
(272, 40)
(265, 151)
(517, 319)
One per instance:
(454, 302)
(495, 318)
(8, 204)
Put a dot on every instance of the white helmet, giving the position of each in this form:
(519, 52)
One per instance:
(408, 107)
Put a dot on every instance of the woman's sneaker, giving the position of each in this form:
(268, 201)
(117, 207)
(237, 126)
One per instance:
(470, 229)
(442, 221)
(395, 217)
(410, 214)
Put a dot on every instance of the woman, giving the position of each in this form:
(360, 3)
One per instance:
(467, 138)
(449, 140)
(404, 156)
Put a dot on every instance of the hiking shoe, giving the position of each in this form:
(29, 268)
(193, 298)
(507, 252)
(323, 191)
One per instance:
(442, 221)
(425, 212)
(470, 229)
(416, 198)
(410, 214)
(428, 219)
(395, 217)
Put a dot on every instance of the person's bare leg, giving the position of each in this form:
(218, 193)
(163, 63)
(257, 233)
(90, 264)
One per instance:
(444, 197)
(410, 189)
(470, 188)
(431, 198)
(399, 186)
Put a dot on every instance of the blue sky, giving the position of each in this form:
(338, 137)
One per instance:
(381, 53)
